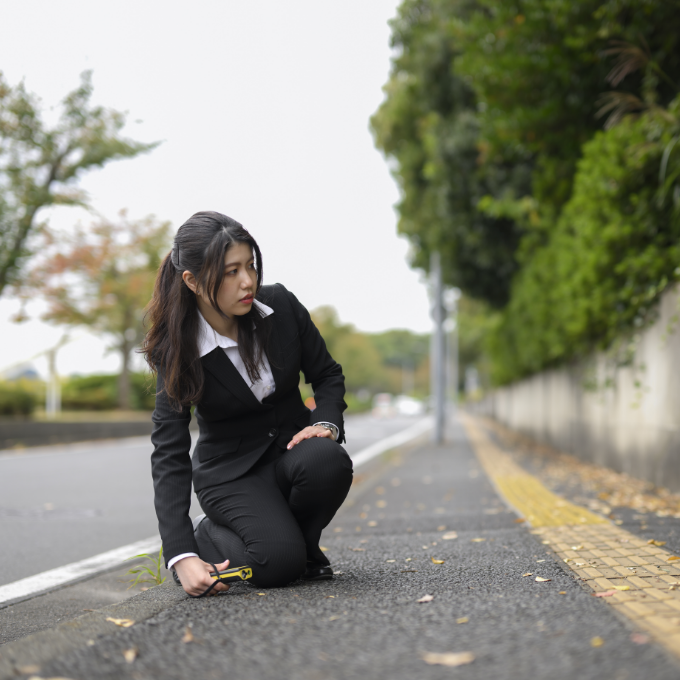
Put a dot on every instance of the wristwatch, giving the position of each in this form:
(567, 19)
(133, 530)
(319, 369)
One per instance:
(329, 426)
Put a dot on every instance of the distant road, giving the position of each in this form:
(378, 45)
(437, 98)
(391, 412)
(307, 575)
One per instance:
(61, 504)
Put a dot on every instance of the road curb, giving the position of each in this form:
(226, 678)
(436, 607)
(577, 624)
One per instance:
(37, 649)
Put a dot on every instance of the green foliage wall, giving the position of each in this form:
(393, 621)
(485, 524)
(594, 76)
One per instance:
(545, 134)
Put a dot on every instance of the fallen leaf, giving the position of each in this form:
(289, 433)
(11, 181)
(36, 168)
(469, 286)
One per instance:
(651, 541)
(123, 623)
(330, 596)
(529, 573)
(519, 520)
(443, 528)
(596, 642)
(605, 593)
(451, 659)
(32, 668)
(437, 561)
(358, 549)
(577, 547)
(449, 536)
(262, 593)
(323, 549)
(372, 523)
(404, 571)
(542, 580)
(390, 560)
(563, 592)
(188, 635)
(621, 587)
(426, 598)
(568, 559)
(130, 654)
(540, 560)
(673, 558)
(333, 618)
(381, 504)
(478, 540)
(462, 619)
(639, 638)
(424, 547)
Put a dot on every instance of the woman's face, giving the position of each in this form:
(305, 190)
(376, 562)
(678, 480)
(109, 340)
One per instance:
(239, 284)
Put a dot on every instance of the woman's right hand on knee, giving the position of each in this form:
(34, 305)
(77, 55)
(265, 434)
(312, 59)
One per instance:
(194, 574)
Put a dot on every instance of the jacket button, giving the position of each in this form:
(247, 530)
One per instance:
(272, 432)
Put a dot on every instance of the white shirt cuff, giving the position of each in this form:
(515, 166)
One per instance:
(177, 558)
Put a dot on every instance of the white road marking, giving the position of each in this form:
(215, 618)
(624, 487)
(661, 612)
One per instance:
(31, 586)
(54, 578)
(393, 441)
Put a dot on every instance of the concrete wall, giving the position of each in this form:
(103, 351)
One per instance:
(20, 433)
(624, 417)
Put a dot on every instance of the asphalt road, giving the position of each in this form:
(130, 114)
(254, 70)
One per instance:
(367, 622)
(61, 504)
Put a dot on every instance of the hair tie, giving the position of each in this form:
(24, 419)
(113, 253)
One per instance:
(174, 256)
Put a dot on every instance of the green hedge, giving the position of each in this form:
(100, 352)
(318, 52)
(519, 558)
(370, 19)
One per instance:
(614, 250)
(100, 393)
(16, 400)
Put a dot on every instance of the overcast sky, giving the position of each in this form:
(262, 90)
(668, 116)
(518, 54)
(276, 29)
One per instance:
(263, 110)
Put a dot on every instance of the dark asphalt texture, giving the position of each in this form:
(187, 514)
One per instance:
(366, 623)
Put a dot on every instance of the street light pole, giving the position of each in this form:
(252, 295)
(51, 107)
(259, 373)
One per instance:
(437, 350)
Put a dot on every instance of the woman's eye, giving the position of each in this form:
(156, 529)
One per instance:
(233, 271)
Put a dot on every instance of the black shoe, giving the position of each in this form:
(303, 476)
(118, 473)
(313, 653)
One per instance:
(317, 572)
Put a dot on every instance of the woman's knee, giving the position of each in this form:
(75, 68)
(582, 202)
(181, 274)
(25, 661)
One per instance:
(322, 459)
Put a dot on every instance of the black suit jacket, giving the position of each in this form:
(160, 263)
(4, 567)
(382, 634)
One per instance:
(235, 428)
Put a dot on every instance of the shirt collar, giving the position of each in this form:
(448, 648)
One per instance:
(209, 338)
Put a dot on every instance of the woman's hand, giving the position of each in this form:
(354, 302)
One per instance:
(308, 433)
(194, 574)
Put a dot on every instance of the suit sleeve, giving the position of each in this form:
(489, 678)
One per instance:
(171, 472)
(321, 370)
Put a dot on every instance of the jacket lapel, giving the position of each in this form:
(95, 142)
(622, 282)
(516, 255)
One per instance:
(218, 363)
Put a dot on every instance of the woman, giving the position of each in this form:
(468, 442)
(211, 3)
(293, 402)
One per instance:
(268, 473)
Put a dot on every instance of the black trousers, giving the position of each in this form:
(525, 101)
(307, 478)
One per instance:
(272, 517)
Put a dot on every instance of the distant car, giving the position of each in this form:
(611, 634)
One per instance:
(408, 406)
(382, 405)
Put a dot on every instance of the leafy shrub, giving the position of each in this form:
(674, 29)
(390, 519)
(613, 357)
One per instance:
(90, 393)
(16, 400)
(614, 250)
(100, 392)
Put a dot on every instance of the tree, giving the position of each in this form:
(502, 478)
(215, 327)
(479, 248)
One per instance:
(40, 165)
(103, 278)
(428, 127)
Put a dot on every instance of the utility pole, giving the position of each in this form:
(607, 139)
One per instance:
(451, 297)
(437, 350)
(53, 394)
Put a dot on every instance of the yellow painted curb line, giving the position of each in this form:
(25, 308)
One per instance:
(641, 579)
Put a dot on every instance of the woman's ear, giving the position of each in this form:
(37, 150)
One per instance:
(190, 280)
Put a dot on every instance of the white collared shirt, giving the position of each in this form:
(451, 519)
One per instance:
(209, 339)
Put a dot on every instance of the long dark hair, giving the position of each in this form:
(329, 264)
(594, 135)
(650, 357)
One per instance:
(171, 343)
